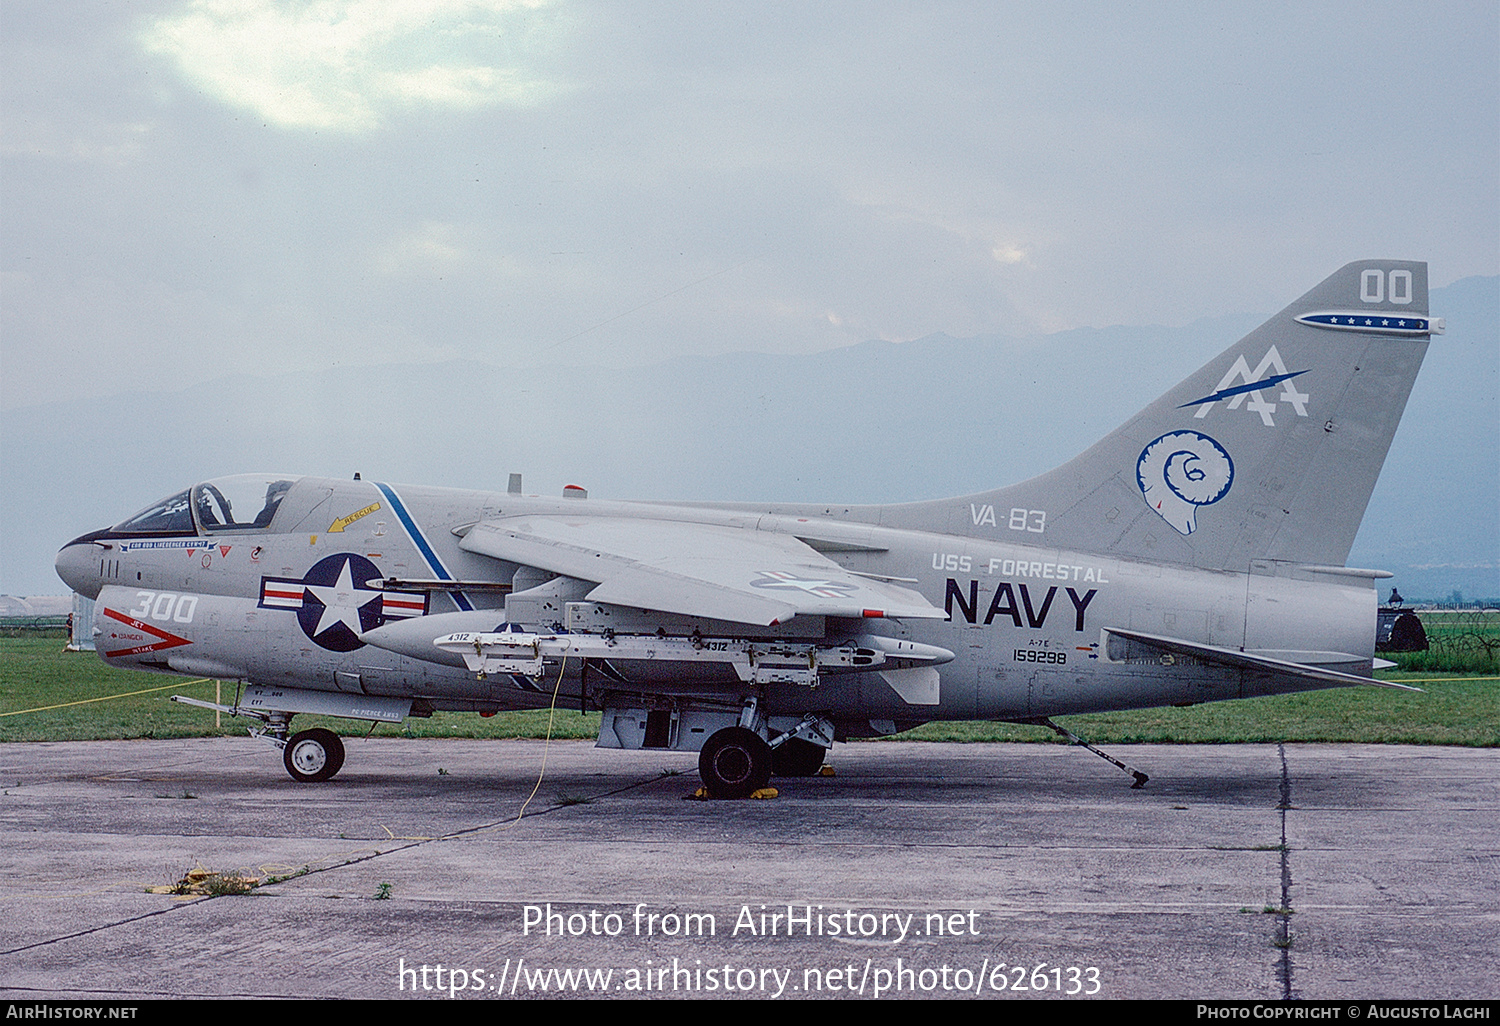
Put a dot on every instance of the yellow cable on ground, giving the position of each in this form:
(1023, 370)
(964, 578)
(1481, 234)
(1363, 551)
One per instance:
(546, 742)
(107, 698)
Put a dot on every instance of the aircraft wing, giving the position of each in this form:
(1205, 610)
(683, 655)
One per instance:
(724, 573)
(1250, 661)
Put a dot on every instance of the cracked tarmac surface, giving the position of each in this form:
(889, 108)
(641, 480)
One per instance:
(1247, 872)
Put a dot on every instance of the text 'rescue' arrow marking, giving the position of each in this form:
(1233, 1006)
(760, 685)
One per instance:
(342, 522)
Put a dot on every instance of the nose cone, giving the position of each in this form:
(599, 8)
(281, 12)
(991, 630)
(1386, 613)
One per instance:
(78, 565)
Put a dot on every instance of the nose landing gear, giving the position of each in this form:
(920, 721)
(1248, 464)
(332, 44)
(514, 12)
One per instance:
(313, 755)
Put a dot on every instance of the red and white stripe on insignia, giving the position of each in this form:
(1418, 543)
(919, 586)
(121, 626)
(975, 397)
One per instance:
(402, 604)
(279, 595)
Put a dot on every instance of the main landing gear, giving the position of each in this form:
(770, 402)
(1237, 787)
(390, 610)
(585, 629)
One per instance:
(735, 763)
(795, 757)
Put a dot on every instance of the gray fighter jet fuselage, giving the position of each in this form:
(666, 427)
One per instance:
(1195, 554)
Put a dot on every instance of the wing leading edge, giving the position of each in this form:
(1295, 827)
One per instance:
(725, 573)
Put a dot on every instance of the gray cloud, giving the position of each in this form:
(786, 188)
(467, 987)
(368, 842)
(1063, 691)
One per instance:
(302, 186)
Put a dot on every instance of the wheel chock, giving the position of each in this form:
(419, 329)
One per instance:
(702, 795)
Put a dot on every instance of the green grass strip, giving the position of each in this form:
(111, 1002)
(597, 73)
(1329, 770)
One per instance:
(47, 694)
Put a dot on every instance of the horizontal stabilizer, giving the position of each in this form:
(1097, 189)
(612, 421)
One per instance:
(1242, 660)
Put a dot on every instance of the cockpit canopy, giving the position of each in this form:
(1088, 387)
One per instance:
(240, 503)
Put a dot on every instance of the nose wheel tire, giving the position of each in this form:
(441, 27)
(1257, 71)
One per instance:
(313, 755)
(735, 763)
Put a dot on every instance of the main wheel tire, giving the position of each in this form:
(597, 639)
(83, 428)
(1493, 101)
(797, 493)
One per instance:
(313, 755)
(735, 763)
(795, 757)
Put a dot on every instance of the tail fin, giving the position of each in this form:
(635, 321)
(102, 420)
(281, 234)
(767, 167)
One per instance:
(1270, 451)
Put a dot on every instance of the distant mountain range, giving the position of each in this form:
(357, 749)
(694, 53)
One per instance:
(875, 422)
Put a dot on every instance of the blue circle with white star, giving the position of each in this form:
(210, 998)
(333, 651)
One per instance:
(335, 598)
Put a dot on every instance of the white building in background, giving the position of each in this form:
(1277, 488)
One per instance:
(36, 605)
(82, 635)
(54, 607)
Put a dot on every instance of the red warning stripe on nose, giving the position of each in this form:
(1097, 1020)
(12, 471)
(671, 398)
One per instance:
(168, 639)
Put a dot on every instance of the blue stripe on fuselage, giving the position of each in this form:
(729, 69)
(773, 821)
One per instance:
(438, 570)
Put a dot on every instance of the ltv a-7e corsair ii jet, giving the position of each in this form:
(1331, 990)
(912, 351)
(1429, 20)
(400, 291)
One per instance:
(1196, 553)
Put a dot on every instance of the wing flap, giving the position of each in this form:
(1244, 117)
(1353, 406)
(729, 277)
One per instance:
(727, 573)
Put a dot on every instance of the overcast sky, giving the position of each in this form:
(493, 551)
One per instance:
(193, 189)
